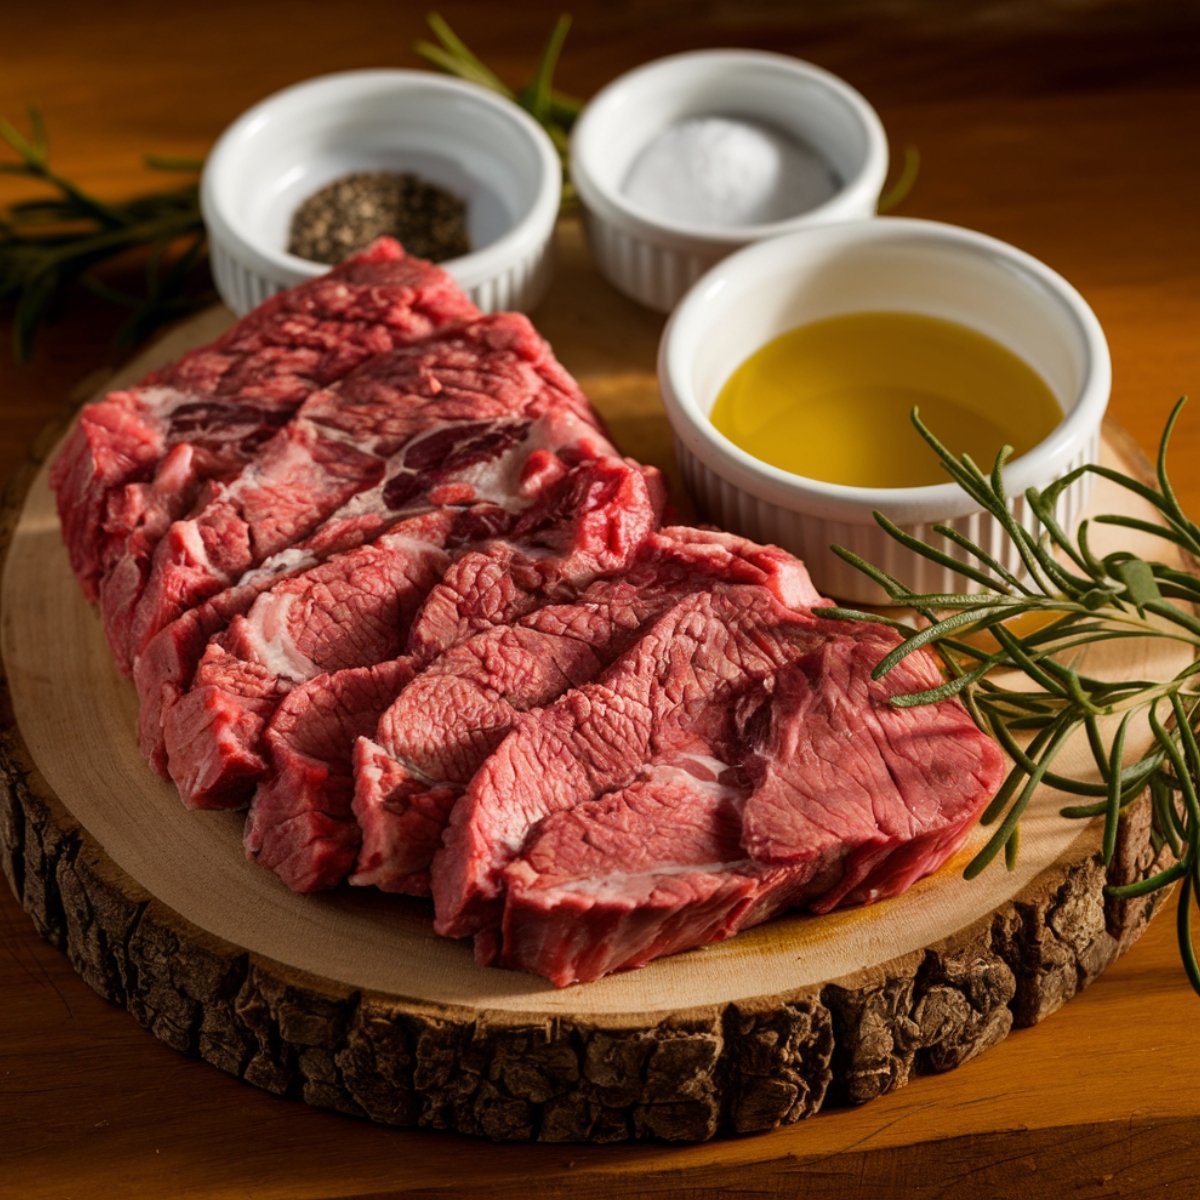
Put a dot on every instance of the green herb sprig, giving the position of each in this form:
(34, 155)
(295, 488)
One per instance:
(48, 244)
(1083, 600)
(554, 110)
(903, 184)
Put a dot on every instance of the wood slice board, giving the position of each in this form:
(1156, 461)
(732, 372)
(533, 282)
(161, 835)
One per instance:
(350, 1001)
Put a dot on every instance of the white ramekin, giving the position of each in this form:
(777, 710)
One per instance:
(880, 264)
(655, 261)
(454, 134)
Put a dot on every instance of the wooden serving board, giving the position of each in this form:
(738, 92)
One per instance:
(350, 1001)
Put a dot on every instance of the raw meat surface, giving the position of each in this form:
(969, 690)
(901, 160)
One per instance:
(799, 787)
(135, 459)
(562, 541)
(414, 417)
(380, 573)
(455, 713)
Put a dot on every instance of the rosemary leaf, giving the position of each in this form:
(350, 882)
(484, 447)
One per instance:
(466, 69)
(1191, 539)
(1012, 849)
(937, 556)
(854, 614)
(946, 691)
(1079, 601)
(1149, 527)
(457, 48)
(893, 587)
(1164, 481)
(1184, 928)
(1044, 509)
(1116, 783)
(992, 564)
(1008, 826)
(536, 95)
(1143, 887)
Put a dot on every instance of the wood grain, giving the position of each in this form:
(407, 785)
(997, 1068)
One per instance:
(1059, 127)
(349, 1001)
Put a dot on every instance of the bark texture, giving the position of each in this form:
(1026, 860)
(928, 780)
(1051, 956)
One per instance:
(690, 1076)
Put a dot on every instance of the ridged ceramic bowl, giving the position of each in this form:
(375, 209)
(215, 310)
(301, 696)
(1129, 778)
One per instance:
(655, 260)
(878, 265)
(453, 134)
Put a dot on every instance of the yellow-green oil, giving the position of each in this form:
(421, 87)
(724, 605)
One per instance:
(831, 400)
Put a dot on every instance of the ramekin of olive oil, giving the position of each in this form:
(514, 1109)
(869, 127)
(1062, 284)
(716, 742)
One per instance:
(831, 400)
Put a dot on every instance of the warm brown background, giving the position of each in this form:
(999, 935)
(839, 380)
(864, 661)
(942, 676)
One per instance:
(1068, 128)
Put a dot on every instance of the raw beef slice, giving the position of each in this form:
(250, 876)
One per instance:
(736, 761)
(464, 391)
(134, 460)
(451, 716)
(300, 825)
(590, 521)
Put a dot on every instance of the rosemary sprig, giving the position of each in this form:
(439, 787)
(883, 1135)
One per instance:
(904, 183)
(48, 244)
(1080, 600)
(555, 111)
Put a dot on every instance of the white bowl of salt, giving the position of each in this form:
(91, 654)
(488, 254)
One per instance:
(688, 158)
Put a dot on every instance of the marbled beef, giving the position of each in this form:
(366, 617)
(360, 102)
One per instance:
(738, 760)
(420, 418)
(381, 573)
(135, 461)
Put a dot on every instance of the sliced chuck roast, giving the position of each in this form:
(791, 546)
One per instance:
(736, 761)
(417, 417)
(135, 460)
(452, 715)
(380, 572)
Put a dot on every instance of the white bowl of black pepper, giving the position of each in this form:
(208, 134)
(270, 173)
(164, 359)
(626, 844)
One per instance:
(317, 171)
(688, 158)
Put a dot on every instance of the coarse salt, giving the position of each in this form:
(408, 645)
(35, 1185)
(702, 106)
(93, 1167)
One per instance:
(727, 172)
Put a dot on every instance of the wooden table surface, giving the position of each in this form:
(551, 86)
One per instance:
(1069, 129)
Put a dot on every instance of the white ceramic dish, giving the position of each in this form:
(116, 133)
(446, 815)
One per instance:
(453, 134)
(654, 260)
(878, 264)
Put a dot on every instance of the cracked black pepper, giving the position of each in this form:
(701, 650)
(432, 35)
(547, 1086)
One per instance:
(348, 214)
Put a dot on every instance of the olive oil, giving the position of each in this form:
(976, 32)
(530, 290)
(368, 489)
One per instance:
(831, 400)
